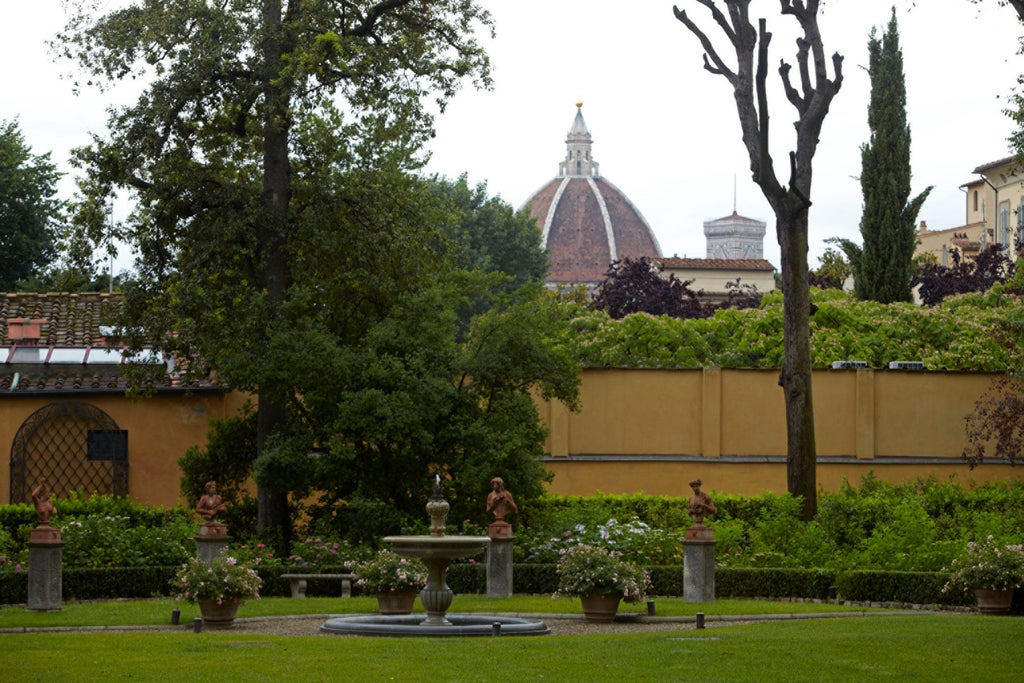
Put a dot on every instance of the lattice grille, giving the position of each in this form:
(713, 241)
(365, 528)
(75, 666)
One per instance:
(53, 442)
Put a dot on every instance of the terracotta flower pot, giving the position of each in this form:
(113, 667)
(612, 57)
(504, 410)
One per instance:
(396, 602)
(994, 602)
(600, 608)
(219, 615)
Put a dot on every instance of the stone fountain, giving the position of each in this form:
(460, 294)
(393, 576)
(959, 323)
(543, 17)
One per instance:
(437, 551)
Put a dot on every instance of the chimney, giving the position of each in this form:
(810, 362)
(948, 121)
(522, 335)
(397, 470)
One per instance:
(24, 331)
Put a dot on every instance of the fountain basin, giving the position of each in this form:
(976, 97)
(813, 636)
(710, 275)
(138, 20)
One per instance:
(412, 626)
(441, 547)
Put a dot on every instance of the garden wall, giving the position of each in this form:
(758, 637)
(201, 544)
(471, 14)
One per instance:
(652, 431)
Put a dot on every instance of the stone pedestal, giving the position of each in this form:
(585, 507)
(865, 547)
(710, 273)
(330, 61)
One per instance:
(45, 569)
(499, 567)
(698, 569)
(212, 540)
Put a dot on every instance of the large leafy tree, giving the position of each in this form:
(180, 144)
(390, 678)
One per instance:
(242, 154)
(28, 209)
(884, 266)
(811, 96)
(490, 235)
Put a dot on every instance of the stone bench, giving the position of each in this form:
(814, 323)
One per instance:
(298, 583)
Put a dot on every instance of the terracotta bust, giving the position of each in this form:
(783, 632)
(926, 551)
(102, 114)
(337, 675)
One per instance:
(500, 501)
(701, 504)
(210, 504)
(44, 506)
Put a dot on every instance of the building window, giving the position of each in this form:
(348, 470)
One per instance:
(1004, 223)
(975, 200)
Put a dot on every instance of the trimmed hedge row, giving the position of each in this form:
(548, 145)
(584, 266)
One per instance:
(539, 579)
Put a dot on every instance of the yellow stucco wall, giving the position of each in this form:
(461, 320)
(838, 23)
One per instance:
(652, 431)
(160, 429)
(642, 431)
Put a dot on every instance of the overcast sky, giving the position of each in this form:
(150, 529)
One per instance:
(665, 131)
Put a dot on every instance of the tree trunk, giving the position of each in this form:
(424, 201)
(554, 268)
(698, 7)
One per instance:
(795, 378)
(272, 512)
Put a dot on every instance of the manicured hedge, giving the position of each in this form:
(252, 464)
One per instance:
(922, 588)
(772, 583)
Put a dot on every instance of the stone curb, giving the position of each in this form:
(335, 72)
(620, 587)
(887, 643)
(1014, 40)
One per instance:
(627, 617)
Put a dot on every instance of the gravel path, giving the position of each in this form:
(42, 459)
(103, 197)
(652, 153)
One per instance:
(559, 625)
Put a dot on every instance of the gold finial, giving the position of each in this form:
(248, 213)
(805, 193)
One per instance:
(579, 104)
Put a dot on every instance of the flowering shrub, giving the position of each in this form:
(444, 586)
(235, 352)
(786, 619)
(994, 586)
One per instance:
(256, 554)
(222, 578)
(114, 541)
(7, 564)
(388, 571)
(587, 569)
(633, 537)
(989, 565)
(317, 551)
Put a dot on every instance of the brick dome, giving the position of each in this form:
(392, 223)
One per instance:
(586, 221)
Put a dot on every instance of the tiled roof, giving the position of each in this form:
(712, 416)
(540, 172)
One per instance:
(716, 264)
(735, 218)
(71, 319)
(992, 164)
(576, 231)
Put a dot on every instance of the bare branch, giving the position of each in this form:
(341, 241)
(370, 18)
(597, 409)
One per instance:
(712, 61)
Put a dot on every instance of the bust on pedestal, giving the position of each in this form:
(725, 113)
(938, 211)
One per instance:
(213, 536)
(499, 553)
(45, 555)
(699, 549)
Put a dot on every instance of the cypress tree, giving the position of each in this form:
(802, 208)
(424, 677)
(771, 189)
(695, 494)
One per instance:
(883, 268)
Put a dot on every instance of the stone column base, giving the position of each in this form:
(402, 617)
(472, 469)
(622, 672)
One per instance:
(45, 576)
(698, 570)
(499, 567)
(209, 547)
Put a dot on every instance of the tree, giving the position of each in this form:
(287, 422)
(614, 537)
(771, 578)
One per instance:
(992, 266)
(490, 235)
(237, 153)
(811, 98)
(636, 286)
(832, 270)
(884, 267)
(28, 210)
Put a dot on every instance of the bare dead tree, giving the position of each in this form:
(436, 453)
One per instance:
(811, 96)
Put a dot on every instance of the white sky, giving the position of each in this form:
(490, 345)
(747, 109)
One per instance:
(665, 131)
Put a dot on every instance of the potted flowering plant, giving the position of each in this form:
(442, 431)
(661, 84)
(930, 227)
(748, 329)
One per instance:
(219, 586)
(992, 570)
(394, 579)
(601, 578)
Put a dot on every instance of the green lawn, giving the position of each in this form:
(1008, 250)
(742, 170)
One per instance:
(925, 647)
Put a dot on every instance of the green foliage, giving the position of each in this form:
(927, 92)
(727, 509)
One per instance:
(957, 334)
(772, 583)
(226, 458)
(633, 538)
(916, 526)
(268, 160)
(28, 210)
(388, 571)
(832, 270)
(922, 588)
(883, 267)
(112, 541)
(221, 578)
(584, 569)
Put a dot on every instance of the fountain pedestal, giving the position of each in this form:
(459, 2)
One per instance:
(437, 551)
